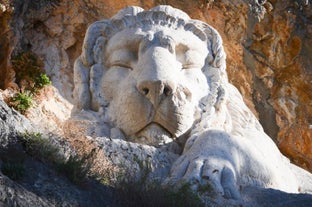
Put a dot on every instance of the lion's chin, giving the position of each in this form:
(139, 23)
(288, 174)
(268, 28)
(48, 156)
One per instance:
(153, 134)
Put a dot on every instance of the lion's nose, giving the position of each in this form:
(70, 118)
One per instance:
(156, 91)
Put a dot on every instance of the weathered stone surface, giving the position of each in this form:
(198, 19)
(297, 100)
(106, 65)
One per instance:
(138, 160)
(41, 184)
(265, 41)
(6, 45)
(267, 46)
(50, 112)
(43, 187)
(277, 51)
(11, 122)
(12, 194)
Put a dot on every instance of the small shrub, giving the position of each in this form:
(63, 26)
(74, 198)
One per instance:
(76, 168)
(184, 196)
(39, 147)
(21, 101)
(155, 195)
(14, 170)
(144, 192)
(26, 66)
(41, 81)
(30, 78)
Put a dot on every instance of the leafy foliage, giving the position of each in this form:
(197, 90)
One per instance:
(41, 81)
(39, 147)
(30, 78)
(27, 67)
(76, 168)
(134, 192)
(153, 194)
(142, 191)
(22, 101)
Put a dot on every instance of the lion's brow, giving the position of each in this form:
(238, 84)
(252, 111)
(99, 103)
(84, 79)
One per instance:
(120, 42)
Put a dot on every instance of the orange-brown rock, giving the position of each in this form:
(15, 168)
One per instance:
(279, 46)
(6, 39)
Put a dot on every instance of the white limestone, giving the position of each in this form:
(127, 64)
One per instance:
(157, 77)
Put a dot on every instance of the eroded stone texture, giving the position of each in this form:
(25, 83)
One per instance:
(6, 45)
(252, 31)
(137, 159)
(279, 46)
(11, 123)
(158, 77)
(13, 194)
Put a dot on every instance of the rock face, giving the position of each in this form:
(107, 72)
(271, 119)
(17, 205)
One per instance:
(13, 194)
(41, 184)
(276, 51)
(11, 123)
(44, 187)
(6, 39)
(267, 43)
(268, 62)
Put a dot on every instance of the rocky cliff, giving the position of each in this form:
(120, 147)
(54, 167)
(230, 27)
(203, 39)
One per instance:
(268, 46)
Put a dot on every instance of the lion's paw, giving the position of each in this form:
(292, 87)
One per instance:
(202, 173)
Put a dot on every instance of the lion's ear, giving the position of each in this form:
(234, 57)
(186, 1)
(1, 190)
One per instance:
(86, 69)
(94, 31)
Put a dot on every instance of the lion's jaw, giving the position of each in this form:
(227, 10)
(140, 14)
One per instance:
(154, 88)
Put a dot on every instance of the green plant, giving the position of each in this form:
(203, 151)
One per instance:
(143, 191)
(153, 194)
(183, 196)
(41, 81)
(26, 66)
(22, 101)
(30, 77)
(39, 147)
(105, 172)
(14, 170)
(76, 168)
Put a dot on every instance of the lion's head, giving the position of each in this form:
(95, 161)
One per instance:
(152, 73)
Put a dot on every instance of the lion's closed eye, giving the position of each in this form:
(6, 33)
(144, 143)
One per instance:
(120, 64)
(122, 58)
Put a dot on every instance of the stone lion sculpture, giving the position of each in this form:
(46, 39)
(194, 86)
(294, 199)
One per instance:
(158, 77)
